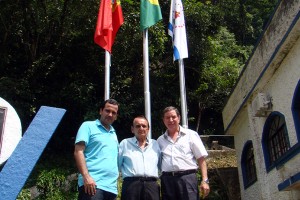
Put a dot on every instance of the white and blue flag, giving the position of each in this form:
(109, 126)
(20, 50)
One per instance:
(176, 29)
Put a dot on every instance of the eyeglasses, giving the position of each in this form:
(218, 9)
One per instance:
(141, 125)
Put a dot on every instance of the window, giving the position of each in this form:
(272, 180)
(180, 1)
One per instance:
(275, 139)
(296, 109)
(2, 122)
(248, 165)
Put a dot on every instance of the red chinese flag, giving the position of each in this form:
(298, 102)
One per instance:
(110, 18)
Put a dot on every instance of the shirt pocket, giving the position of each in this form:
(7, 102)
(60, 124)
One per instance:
(182, 150)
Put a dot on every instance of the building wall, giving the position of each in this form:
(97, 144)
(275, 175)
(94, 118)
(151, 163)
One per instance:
(280, 87)
(273, 69)
(243, 133)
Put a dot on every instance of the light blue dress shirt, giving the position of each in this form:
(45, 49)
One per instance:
(135, 161)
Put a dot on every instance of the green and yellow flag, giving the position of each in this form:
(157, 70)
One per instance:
(150, 13)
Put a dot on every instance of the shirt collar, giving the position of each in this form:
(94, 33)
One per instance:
(111, 128)
(136, 141)
(182, 132)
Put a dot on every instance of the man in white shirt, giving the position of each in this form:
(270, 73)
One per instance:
(182, 153)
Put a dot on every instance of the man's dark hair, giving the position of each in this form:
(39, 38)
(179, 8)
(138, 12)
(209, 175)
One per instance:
(110, 101)
(141, 117)
(170, 108)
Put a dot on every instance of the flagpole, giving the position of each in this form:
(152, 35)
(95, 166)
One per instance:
(110, 18)
(177, 30)
(150, 14)
(146, 79)
(184, 120)
(107, 75)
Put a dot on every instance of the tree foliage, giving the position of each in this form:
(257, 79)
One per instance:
(48, 57)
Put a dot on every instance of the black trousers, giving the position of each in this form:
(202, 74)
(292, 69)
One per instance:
(138, 188)
(100, 195)
(179, 187)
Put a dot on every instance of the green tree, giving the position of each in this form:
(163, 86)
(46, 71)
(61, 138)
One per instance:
(219, 73)
(48, 57)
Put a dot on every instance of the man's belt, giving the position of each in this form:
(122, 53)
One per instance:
(140, 178)
(179, 173)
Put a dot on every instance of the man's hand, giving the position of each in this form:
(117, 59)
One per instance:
(88, 181)
(204, 189)
(89, 185)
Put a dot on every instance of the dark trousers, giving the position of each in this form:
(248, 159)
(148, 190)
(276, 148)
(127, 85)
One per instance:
(182, 187)
(100, 195)
(134, 188)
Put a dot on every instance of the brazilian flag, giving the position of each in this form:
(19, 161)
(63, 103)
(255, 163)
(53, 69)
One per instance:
(150, 13)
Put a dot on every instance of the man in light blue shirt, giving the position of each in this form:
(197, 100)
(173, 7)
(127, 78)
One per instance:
(96, 155)
(139, 161)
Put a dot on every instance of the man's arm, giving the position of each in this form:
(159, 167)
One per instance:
(89, 183)
(204, 187)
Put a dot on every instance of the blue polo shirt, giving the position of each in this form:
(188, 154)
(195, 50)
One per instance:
(101, 154)
(134, 161)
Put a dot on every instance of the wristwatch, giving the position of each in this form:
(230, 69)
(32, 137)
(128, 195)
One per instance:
(206, 181)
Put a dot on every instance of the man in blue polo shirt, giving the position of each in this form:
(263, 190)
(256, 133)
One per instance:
(96, 155)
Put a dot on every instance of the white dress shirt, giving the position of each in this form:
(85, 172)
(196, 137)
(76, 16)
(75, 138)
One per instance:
(183, 153)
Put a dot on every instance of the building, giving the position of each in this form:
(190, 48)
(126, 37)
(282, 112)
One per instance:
(263, 111)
